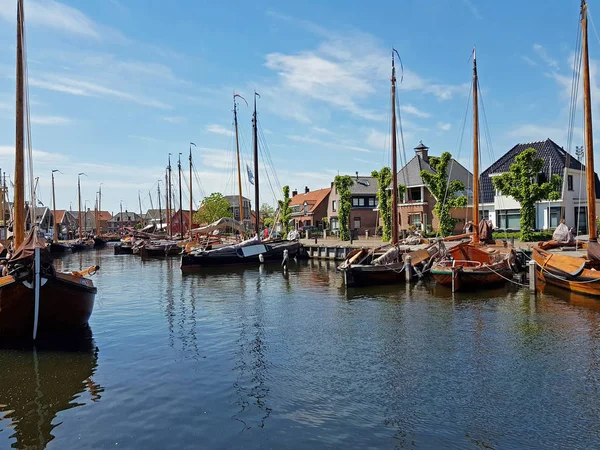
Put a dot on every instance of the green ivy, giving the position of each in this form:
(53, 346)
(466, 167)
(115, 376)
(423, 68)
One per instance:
(520, 183)
(285, 210)
(342, 184)
(384, 199)
(445, 193)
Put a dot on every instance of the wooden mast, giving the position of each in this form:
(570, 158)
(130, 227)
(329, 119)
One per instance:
(191, 196)
(55, 237)
(394, 161)
(79, 205)
(19, 194)
(141, 216)
(475, 152)
(159, 207)
(99, 221)
(237, 151)
(589, 141)
(180, 200)
(169, 200)
(256, 190)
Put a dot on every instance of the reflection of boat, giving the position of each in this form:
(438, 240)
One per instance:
(37, 385)
(475, 264)
(34, 296)
(578, 272)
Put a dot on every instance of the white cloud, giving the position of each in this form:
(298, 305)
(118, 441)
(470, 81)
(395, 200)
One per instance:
(85, 88)
(54, 15)
(8, 151)
(218, 129)
(175, 119)
(413, 111)
(50, 120)
(337, 145)
(471, 6)
(322, 130)
(529, 61)
(545, 57)
(444, 126)
(534, 132)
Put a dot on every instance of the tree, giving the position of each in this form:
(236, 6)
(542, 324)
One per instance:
(213, 208)
(384, 200)
(445, 192)
(268, 221)
(521, 182)
(342, 184)
(267, 211)
(284, 209)
(325, 222)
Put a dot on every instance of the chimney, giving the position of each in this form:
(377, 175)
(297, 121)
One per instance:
(356, 175)
(422, 151)
(294, 193)
(306, 190)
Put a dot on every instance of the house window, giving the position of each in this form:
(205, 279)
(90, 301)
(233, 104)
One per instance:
(355, 201)
(372, 201)
(554, 216)
(414, 220)
(414, 194)
(509, 219)
(361, 202)
(333, 206)
(356, 223)
(484, 214)
(334, 224)
(570, 182)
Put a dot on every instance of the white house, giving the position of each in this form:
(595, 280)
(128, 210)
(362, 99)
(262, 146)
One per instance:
(505, 212)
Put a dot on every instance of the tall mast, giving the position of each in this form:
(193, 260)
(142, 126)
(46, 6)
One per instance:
(169, 198)
(159, 207)
(180, 200)
(589, 141)
(79, 204)
(99, 226)
(121, 212)
(191, 201)
(96, 214)
(475, 152)
(394, 161)
(140, 203)
(256, 190)
(237, 151)
(19, 194)
(55, 237)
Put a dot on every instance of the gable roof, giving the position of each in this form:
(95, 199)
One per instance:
(234, 200)
(60, 214)
(547, 150)
(102, 215)
(312, 198)
(125, 217)
(410, 174)
(361, 186)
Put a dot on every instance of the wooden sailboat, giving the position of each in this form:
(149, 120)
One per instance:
(250, 251)
(384, 265)
(578, 272)
(474, 264)
(99, 240)
(81, 244)
(56, 247)
(34, 296)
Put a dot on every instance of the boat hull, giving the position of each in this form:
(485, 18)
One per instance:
(120, 249)
(81, 247)
(56, 248)
(586, 282)
(273, 253)
(66, 303)
(99, 242)
(466, 278)
(370, 274)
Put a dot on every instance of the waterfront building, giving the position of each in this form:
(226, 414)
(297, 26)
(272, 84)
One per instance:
(310, 207)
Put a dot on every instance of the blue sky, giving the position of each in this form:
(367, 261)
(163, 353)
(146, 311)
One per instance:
(116, 85)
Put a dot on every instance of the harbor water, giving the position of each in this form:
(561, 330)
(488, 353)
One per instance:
(255, 358)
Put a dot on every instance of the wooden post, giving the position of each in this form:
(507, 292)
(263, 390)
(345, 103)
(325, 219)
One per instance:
(532, 275)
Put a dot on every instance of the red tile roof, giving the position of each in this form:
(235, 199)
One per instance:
(312, 198)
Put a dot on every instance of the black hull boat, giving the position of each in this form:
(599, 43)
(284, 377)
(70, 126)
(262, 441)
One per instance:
(244, 253)
(160, 248)
(59, 248)
(82, 246)
(123, 249)
(99, 242)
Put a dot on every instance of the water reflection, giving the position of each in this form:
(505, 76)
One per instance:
(37, 384)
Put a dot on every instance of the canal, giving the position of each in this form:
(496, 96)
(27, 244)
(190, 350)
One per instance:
(254, 358)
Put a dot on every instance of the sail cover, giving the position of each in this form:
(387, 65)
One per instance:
(485, 231)
(220, 225)
(24, 254)
(562, 234)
